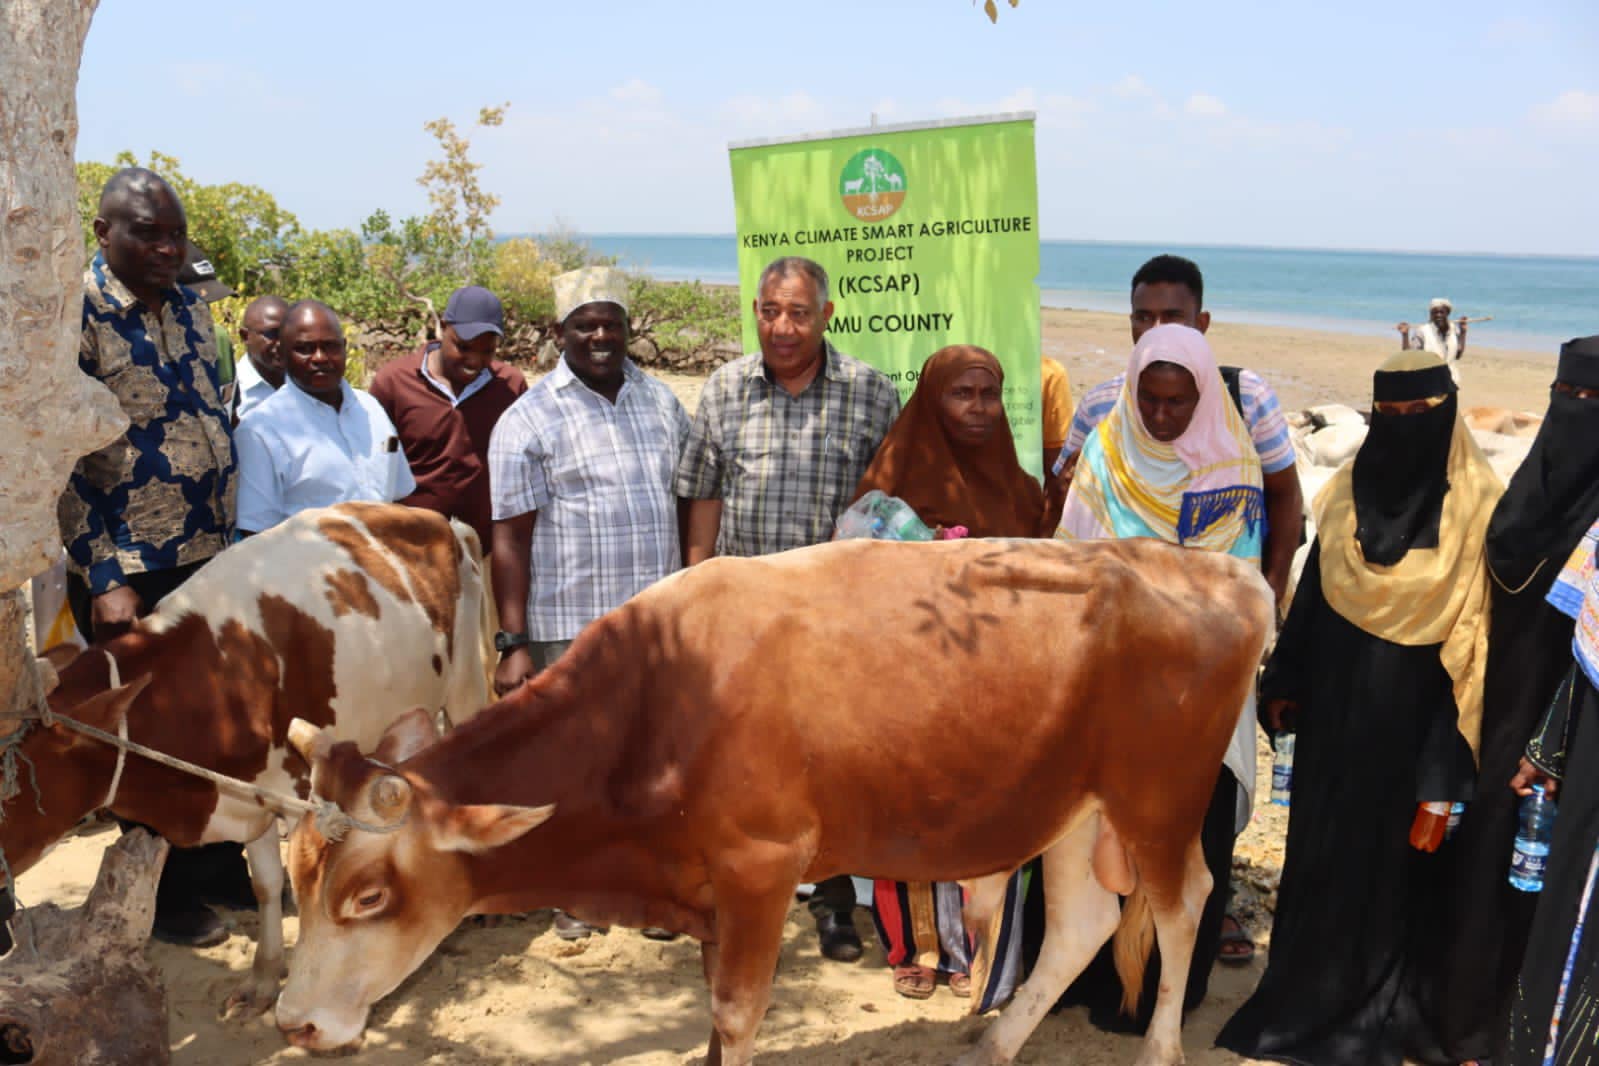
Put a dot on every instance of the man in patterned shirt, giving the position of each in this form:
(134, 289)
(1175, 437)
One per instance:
(779, 443)
(143, 513)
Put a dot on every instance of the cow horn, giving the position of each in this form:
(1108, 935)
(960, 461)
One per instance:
(309, 740)
(389, 797)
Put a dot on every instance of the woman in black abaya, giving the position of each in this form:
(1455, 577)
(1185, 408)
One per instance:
(1380, 668)
(1549, 504)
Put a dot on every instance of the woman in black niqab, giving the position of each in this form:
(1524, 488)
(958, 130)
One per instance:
(1549, 504)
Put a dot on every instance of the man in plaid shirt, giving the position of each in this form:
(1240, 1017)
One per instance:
(580, 476)
(779, 443)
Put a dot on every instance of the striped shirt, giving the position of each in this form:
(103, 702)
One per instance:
(784, 466)
(599, 476)
(1262, 413)
(161, 495)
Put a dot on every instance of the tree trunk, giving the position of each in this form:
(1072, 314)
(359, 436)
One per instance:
(52, 412)
(77, 989)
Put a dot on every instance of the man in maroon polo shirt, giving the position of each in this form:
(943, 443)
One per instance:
(444, 401)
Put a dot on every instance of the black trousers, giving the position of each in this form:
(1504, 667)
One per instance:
(836, 895)
(190, 873)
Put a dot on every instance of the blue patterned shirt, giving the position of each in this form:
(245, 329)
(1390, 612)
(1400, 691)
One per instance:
(161, 495)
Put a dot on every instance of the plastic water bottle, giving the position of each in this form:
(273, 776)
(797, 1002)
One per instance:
(1457, 811)
(1282, 768)
(900, 521)
(1531, 854)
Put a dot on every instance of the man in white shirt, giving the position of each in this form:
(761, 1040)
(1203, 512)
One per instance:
(316, 441)
(260, 373)
(1445, 339)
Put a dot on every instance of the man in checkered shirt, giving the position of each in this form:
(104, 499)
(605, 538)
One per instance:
(580, 475)
(779, 443)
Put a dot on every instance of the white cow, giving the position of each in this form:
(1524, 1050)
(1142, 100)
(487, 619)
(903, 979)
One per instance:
(352, 614)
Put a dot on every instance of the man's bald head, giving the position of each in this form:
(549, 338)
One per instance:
(142, 232)
(313, 349)
(260, 330)
(301, 313)
(131, 183)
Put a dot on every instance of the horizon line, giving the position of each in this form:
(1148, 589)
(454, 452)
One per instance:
(1218, 245)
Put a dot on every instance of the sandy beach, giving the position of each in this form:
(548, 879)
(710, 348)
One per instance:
(515, 993)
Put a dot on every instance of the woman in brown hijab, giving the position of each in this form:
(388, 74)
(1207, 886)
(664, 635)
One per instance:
(950, 456)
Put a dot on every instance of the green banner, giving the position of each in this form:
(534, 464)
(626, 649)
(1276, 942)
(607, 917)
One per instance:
(929, 233)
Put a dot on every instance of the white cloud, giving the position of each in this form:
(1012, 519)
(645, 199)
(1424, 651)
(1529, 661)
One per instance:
(1133, 87)
(1020, 100)
(791, 113)
(1203, 105)
(636, 91)
(200, 79)
(1573, 109)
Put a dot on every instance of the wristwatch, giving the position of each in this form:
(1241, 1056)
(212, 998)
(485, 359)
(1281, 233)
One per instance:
(504, 642)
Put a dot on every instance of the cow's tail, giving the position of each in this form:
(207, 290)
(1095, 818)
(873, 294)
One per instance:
(1131, 945)
(488, 614)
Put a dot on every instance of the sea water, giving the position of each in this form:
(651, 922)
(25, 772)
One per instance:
(1536, 301)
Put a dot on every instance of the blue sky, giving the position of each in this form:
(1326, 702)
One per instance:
(1402, 125)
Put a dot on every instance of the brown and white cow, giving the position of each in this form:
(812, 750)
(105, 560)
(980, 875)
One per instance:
(752, 723)
(345, 617)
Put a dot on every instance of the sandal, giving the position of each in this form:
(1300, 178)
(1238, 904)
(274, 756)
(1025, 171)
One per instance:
(960, 985)
(914, 982)
(1235, 948)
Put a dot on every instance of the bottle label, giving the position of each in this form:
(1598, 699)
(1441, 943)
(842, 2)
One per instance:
(1525, 866)
(1282, 777)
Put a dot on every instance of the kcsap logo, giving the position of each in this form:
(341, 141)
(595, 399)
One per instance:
(872, 185)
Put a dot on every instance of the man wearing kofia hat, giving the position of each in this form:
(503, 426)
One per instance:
(580, 470)
(1445, 339)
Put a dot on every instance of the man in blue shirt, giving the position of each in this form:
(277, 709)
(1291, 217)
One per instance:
(145, 512)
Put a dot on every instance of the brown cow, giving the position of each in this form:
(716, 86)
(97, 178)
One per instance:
(751, 723)
(345, 616)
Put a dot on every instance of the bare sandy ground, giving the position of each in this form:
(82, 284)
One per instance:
(517, 994)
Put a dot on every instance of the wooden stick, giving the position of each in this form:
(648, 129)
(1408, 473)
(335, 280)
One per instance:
(1483, 318)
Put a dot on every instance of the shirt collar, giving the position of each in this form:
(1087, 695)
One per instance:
(116, 295)
(831, 366)
(305, 399)
(472, 386)
(562, 377)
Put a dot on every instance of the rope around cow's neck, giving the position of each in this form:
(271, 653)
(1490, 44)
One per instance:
(331, 821)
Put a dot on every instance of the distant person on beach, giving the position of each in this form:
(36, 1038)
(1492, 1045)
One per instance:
(1445, 339)
(780, 441)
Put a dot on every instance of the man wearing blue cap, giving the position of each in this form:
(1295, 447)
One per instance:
(445, 400)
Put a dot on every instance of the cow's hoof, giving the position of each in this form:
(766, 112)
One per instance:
(249, 1000)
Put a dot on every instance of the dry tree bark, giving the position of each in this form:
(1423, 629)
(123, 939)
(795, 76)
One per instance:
(77, 989)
